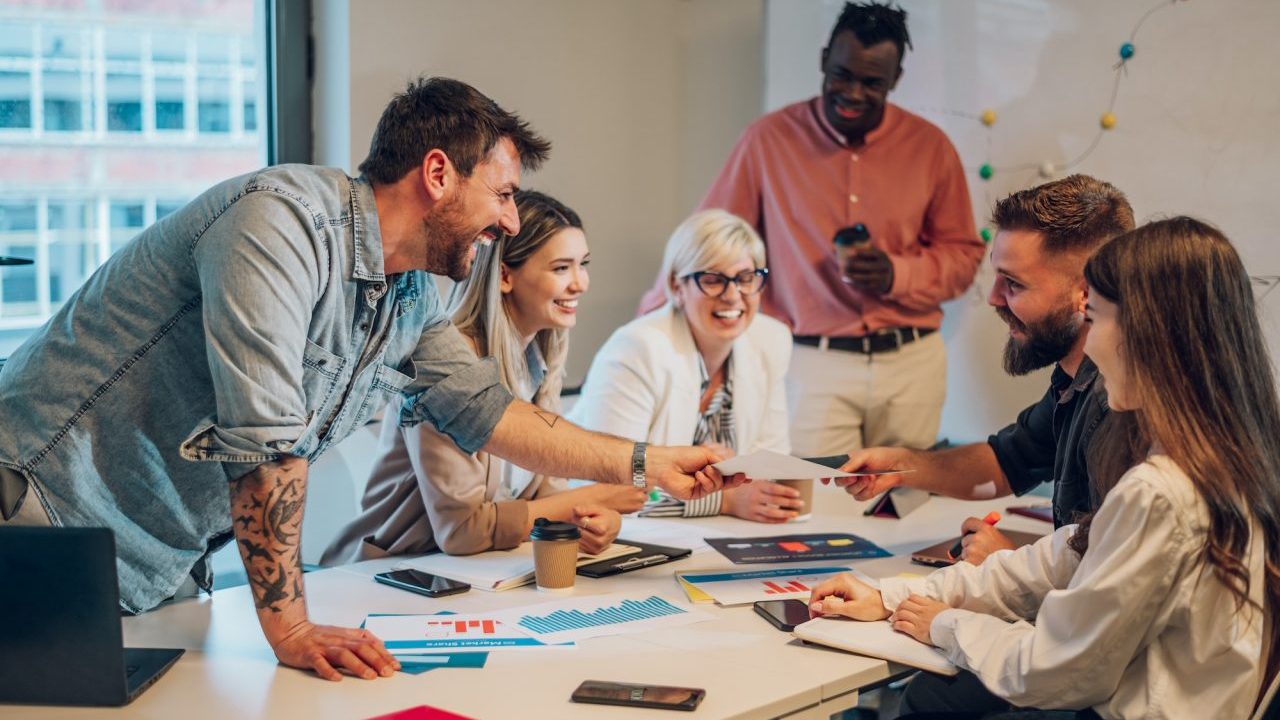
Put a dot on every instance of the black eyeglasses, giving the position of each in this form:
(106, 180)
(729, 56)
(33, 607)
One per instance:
(716, 284)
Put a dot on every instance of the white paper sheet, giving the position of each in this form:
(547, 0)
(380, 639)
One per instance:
(768, 465)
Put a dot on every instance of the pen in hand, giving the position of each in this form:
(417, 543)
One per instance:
(991, 519)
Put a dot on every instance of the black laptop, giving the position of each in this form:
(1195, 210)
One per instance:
(60, 637)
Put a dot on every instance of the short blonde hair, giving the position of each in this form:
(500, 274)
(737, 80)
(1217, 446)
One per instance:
(705, 239)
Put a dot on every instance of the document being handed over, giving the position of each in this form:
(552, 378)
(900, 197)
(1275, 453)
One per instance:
(767, 465)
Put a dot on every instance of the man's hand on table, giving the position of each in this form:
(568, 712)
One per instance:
(330, 651)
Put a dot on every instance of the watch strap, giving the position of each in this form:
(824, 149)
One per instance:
(637, 465)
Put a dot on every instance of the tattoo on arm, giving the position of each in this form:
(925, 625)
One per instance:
(268, 524)
(549, 418)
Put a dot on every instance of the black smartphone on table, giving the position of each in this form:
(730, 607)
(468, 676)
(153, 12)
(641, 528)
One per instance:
(423, 583)
(660, 697)
(783, 614)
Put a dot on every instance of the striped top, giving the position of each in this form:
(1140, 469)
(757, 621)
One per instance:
(715, 425)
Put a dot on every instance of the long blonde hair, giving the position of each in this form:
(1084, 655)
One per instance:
(480, 310)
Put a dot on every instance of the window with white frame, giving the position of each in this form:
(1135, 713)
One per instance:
(113, 115)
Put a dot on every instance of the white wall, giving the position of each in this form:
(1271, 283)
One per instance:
(1198, 115)
(642, 101)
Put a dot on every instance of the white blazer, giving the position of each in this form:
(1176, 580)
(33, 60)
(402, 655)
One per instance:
(644, 384)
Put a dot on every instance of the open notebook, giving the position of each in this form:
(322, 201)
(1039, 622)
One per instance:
(876, 639)
(499, 569)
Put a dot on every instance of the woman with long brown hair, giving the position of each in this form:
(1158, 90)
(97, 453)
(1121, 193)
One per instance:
(1156, 606)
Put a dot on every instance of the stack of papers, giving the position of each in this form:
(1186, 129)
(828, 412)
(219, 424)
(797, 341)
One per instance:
(499, 569)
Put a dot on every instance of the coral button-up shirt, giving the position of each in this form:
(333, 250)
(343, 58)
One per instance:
(795, 179)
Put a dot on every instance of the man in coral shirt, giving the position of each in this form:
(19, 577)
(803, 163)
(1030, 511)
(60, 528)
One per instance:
(868, 367)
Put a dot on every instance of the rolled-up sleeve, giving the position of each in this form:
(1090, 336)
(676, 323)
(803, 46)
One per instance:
(459, 395)
(259, 269)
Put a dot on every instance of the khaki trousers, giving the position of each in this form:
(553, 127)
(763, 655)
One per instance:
(842, 401)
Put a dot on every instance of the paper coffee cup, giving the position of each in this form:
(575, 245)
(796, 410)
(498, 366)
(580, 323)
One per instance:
(555, 554)
(805, 488)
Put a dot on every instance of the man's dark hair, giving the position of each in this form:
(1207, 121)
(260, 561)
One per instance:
(452, 116)
(872, 23)
(1077, 212)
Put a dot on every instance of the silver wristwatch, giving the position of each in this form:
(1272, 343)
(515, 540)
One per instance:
(637, 466)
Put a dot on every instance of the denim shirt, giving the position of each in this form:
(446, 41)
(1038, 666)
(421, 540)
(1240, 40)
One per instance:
(254, 324)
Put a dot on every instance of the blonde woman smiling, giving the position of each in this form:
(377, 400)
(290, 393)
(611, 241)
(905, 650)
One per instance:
(705, 368)
(425, 494)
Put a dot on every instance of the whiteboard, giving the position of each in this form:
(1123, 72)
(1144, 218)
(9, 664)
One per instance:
(1198, 128)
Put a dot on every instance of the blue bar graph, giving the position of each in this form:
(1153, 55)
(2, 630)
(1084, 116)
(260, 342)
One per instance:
(624, 612)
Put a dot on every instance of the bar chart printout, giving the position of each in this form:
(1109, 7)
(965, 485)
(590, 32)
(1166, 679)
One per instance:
(747, 586)
(418, 634)
(581, 618)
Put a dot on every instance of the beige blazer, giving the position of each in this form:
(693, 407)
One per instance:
(425, 494)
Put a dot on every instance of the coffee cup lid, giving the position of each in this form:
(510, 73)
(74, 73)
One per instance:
(544, 529)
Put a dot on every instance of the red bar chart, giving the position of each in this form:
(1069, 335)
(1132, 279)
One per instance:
(461, 628)
(793, 586)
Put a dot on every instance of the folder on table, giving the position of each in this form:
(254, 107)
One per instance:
(647, 556)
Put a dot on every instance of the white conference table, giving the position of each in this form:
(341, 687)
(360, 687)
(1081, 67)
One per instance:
(748, 668)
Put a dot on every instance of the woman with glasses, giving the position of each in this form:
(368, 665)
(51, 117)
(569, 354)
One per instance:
(705, 368)
(425, 494)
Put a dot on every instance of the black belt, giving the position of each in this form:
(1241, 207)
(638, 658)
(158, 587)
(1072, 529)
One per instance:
(877, 342)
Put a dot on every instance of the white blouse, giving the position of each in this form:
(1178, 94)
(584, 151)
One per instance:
(1137, 628)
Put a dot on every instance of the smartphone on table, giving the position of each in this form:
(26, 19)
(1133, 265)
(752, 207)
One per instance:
(423, 583)
(783, 614)
(660, 697)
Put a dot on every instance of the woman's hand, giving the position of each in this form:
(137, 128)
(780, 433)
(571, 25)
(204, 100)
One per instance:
(846, 595)
(620, 498)
(724, 451)
(915, 616)
(599, 527)
(763, 501)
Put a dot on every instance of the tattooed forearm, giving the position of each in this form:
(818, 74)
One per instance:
(267, 507)
(547, 417)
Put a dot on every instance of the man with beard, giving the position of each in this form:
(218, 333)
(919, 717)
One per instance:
(181, 394)
(1044, 236)
(868, 366)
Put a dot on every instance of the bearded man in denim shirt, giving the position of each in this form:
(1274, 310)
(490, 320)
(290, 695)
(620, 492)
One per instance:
(235, 340)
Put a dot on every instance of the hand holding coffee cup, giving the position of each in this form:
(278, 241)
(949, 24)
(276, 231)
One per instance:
(805, 488)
